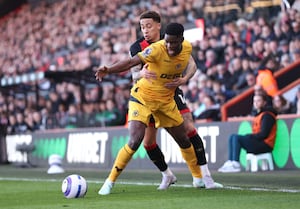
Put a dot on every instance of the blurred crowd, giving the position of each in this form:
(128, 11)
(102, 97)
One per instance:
(78, 35)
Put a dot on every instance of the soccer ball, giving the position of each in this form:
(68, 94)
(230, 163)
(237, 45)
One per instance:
(74, 186)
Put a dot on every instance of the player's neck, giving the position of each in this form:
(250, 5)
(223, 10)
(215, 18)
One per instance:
(157, 38)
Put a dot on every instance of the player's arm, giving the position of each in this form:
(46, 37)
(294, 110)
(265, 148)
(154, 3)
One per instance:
(118, 67)
(136, 73)
(190, 70)
(187, 74)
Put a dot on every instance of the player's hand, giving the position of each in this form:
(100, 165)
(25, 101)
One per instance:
(146, 73)
(175, 83)
(101, 72)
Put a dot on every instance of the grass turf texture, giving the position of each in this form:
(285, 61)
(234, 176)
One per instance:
(33, 188)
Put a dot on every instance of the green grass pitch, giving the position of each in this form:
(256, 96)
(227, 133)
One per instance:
(33, 188)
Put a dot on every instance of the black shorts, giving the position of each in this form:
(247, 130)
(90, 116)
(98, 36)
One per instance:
(181, 104)
(180, 101)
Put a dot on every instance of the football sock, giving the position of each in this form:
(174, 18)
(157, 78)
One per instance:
(121, 161)
(198, 146)
(167, 172)
(189, 156)
(204, 170)
(157, 157)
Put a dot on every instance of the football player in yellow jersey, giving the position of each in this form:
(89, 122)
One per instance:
(173, 55)
(150, 27)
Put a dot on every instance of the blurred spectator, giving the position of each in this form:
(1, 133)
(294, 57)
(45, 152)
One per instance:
(199, 106)
(211, 110)
(295, 55)
(285, 61)
(200, 60)
(296, 102)
(223, 76)
(250, 81)
(73, 117)
(112, 116)
(12, 125)
(211, 58)
(267, 33)
(3, 133)
(54, 102)
(283, 47)
(282, 105)
(259, 90)
(219, 94)
(21, 125)
(88, 115)
(29, 122)
(38, 123)
(266, 79)
(192, 92)
(238, 75)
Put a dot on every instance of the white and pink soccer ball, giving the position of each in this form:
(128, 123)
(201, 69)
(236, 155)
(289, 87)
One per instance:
(74, 186)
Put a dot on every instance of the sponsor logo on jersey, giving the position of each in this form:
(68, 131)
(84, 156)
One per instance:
(170, 76)
(146, 52)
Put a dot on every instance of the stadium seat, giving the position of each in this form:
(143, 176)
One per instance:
(253, 160)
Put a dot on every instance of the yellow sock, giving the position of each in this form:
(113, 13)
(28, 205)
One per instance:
(121, 161)
(190, 158)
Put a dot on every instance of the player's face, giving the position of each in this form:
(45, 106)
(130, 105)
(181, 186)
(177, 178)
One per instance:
(173, 44)
(150, 29)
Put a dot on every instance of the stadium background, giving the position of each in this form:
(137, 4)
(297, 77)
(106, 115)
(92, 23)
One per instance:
(83, 81)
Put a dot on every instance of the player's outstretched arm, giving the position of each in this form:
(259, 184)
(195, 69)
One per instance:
(118, 67)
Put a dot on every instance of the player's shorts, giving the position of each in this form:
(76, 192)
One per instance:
(165, 115)
(180, 102)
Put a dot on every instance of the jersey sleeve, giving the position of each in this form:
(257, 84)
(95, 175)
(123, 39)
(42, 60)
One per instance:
(134, 49)
(150, 53)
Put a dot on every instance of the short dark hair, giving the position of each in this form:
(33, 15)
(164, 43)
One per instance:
(175, 29)
(150, 14)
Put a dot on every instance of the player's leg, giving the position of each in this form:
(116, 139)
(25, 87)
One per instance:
(194, 137)
(137, 129)
(136, 133)
(169, 117)
(189, 126)
(157, 157)
(197, 142)
(186, 148)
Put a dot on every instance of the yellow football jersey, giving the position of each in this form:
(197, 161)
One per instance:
(166, 69)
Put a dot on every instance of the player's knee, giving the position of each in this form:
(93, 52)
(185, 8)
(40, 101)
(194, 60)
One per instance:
(182, 140)
(149, 141)
(135, 142)
(184, 144)
(134, 145)
(189, 128)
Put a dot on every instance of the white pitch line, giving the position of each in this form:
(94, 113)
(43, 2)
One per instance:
(155, 184)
